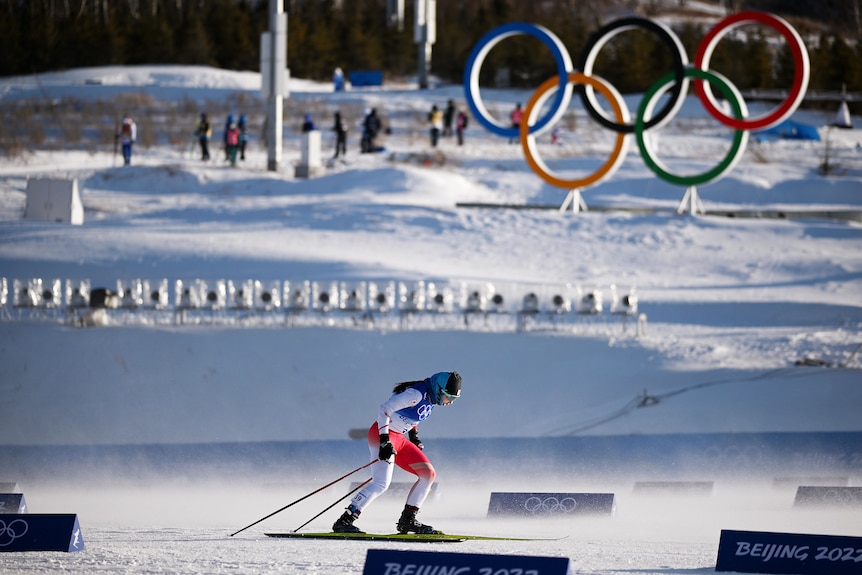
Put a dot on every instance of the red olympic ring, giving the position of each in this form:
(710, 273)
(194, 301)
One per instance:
(800, 77)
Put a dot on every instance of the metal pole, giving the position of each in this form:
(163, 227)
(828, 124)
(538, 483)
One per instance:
(395, 14)
(424, 64)
(276, 71)
(425, 34)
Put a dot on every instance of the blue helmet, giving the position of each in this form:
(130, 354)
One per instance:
(444, 384)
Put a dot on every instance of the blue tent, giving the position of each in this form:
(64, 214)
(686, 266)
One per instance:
(789, 130)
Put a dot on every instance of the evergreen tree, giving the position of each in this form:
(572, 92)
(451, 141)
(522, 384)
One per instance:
(785, 67)
(150, 40)
(758, 69)
(12, 45)
(43, 35)
(842, 71)
(821, 65)
(229, 27)
(193, 43)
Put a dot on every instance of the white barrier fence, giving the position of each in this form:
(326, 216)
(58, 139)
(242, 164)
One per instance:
(387, 304)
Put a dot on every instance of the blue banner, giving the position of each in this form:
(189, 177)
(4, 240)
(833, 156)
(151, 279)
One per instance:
(385, 562)
(789, 553)
(366, 78)
(40, 532)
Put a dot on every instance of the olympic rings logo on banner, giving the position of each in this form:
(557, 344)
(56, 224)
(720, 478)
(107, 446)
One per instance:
(549, 505)
(9, 533)
(675, 83)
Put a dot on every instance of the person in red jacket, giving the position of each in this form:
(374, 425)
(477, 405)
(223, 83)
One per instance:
(516, 117)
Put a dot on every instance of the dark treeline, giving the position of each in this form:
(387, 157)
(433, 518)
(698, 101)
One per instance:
(46, 35)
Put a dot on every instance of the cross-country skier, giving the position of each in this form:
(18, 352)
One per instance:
(394, 438)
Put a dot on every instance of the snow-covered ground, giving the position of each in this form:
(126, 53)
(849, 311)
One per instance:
(165, 437)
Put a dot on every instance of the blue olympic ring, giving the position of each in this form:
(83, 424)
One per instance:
(474, 65)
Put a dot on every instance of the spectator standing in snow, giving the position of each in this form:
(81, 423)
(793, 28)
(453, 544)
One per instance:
(460, 126)
(394, 438)
(203, 133)
(231, 140)
(448, 118)
(340, 136)
(557, 135)
(370, 129)
(338, 80)
(243, 135)
(127, 134)
(515, 116)
(435, 119)
(308, 124)
(363, 142)
(230, 120)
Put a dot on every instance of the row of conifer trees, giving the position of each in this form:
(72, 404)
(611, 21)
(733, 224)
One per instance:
(44, 35)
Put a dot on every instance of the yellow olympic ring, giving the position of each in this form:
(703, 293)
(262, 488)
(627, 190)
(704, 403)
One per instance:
(528, 140)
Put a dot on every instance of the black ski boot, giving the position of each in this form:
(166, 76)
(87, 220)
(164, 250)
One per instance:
(345, 522)
(408, 523)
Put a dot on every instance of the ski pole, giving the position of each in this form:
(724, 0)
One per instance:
(304, 497)
(337, 501)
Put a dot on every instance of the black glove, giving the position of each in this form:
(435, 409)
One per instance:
(413, 434)
(386, 448)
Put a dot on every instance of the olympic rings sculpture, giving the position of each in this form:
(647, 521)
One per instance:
(675, 84)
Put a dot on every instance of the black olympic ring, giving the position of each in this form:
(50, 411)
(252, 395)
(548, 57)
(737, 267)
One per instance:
(588, 59)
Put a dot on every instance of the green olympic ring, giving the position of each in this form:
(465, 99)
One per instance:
(740, 137)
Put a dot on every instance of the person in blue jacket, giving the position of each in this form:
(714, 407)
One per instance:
(394, 438)
(308, 124)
